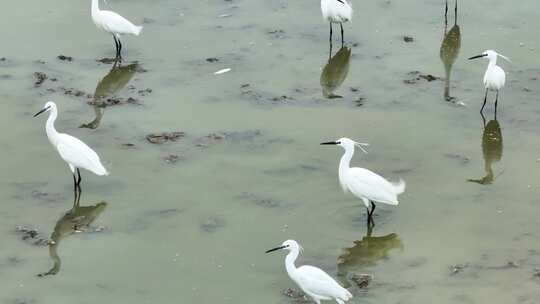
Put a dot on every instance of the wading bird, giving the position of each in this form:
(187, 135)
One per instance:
(114, 24)
(336, 11)
(494, 78)
(72, 150)
(312, 280)
(362, 183)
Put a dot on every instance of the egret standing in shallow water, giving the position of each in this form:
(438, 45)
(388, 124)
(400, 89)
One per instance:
(73, 151)
(336, 11)
(312, 280)
(114, 24)
(362, 183)
(494, 78)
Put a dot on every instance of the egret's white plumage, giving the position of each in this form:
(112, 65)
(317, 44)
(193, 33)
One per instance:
(494, 77)
(72, 150)
(336, 11)
(363, 183)
(114, 24)
(312, 280)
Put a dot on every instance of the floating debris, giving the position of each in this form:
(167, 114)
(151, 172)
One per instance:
(40, 78)
(210, 139)
(260, 201)
(212, 59)
(161, 138)
(223, 71)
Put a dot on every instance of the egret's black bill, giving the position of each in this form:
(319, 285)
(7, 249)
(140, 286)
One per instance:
(478, 56)
(275, 249)
(40, 112)
(330, 143)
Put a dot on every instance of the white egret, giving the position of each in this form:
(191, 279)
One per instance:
(114, 24)
(494, 78)
(336, 11)
(72, 150)
(362, 183)
(312, 280)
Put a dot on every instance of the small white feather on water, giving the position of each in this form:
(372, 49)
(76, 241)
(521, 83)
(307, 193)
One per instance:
(222, 71)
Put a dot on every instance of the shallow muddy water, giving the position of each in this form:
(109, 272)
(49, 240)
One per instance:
(188, 219)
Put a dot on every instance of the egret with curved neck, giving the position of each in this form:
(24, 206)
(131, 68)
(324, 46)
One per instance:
(363, 183)
(495, 77)
(312, 280)
(72, 150)
(113, 24)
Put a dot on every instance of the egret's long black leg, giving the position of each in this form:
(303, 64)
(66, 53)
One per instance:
(79, 175)
(116, 45)
(446, 13)
(485, 100)
(74, 184)
(330, 39)
(120, 49)
(455, 13)
(342, 39)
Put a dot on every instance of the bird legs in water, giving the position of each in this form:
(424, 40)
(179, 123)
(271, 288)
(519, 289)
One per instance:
(342, 39)
(77, 187)
(118, 45)
(485, 100)
(370, 220)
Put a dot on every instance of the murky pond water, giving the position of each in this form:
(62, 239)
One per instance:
(189, 219)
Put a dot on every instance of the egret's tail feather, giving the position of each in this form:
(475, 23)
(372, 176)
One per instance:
(138, 30)
(346, 296)
(399, 187)
(101, 171)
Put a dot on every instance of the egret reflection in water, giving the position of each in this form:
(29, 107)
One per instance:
(335, 72)
(366, 252)
(450, 47)
(77, 219)
(492, 150)
(117, 78)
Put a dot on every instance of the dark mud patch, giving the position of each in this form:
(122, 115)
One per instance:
(260, 201)
(65, 58)
(39, 78)
(415, 77)
(164, 137)
(32, 236)
(114, 101)
(362, 281)
(408, 39)
(297, 296)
